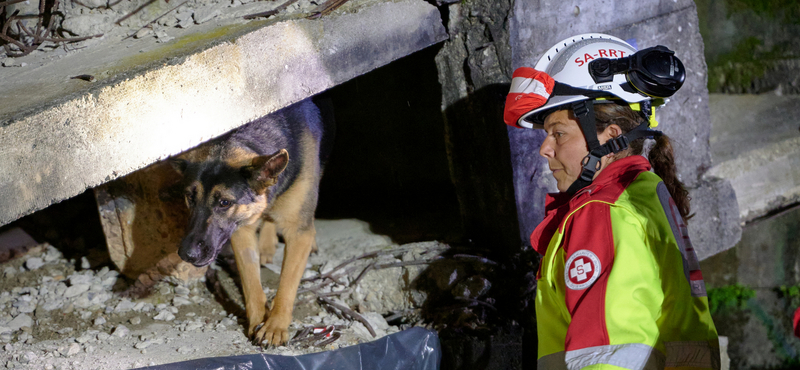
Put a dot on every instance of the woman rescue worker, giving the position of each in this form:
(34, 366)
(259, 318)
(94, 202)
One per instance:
(619, 284)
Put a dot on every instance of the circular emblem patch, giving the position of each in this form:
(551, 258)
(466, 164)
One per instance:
(582, 269)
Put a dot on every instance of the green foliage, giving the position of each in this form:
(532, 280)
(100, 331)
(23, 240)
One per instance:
(729, 297)
(750, 59)
(778, 10)
(791, 294)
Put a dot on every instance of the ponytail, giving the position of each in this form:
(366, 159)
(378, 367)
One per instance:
(663, 162)
(661, 155)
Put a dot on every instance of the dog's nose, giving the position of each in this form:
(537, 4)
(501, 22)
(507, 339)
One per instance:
(191, 252)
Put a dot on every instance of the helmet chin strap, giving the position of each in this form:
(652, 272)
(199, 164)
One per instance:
(584, 112)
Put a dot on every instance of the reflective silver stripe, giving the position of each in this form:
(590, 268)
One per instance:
(527, 85)
(634, 356)
(681, 234)
(553, 361)
(692, 354)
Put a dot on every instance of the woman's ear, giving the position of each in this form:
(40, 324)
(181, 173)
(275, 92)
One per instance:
(613, 130)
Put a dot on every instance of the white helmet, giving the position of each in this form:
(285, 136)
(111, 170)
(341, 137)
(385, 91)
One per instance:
(568, 63)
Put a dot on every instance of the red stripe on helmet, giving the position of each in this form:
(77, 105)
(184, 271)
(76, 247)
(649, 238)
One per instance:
(530, 89)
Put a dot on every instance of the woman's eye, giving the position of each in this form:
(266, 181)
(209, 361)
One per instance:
(224, 203)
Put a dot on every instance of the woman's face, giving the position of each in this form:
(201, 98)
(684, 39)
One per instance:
(564, 147)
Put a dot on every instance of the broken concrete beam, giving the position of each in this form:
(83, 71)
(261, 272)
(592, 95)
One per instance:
(144, 218)
(145, 106)
(755, 143)
(14, 242)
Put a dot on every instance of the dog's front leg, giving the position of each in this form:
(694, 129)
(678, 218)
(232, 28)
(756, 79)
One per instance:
(298, 246)
(245, 251)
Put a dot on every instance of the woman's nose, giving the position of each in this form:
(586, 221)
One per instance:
(546, 150)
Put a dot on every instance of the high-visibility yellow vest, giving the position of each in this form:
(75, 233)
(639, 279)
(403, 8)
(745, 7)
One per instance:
(619, 286)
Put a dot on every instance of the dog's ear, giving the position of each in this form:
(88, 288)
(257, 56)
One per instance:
(263, 171)
(179, 165)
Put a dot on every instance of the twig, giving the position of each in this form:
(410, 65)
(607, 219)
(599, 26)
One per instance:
(339, 266)
(479, 258)
(326, 8)
(156, 20)
(347, 311)
(408, 263)
(270, 12)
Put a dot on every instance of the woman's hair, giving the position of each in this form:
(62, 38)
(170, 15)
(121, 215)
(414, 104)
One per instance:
(661, 157)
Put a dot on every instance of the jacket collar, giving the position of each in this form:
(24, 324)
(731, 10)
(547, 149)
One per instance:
(617, 175)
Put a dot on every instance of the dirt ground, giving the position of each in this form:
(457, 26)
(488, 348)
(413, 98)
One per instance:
(63, 313)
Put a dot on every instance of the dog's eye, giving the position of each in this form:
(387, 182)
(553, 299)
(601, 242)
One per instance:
(224, 203)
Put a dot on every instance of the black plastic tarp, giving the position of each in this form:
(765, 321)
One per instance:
(412, 349)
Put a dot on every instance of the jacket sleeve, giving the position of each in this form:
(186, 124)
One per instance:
(615, 306)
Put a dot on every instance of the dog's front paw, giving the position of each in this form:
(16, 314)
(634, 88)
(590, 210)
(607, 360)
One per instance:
(274, 332)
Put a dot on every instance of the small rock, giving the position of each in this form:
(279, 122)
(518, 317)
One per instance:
(124, 305)
(51, 254)
(180, 301)
(29, 358)
(102, 337)
(184, 350)
(88, 24)
(143, 345)
(206, 14)
(76, 290)
(162, 36)
(85, 338)
(9, 62)
(34, 262)
(228, 322)
(165, 316)
(99, 321)
(85, 263)
(19, 322)
(73, 350)
(472, 287)
(9, 272)
(182, 290)
(64, 330)
(144, 32)
(136, 320)
(121, 331)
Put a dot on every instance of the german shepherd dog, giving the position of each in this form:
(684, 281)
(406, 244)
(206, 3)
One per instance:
(263, 176)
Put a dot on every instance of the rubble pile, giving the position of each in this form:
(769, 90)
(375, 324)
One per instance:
(61, 314)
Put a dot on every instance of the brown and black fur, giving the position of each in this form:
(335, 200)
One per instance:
(263, 176)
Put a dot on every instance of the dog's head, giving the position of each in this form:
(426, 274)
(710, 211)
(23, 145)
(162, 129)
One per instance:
(221, 197)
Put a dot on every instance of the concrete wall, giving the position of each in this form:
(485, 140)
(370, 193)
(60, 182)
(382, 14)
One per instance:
(539, 24)
(55, 147)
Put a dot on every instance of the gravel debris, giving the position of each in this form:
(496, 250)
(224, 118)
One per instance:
(54, 317)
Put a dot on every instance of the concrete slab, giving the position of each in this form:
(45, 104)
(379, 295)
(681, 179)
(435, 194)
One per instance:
(60, 136)
(755, 142)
